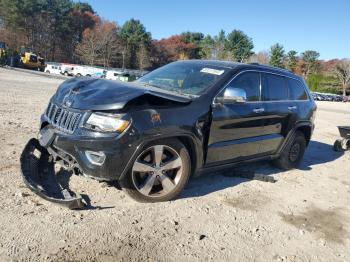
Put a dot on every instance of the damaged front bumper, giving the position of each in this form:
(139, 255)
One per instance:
(38, 172)
(75, 154)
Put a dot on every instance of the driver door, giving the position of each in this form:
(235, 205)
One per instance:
(237, 126)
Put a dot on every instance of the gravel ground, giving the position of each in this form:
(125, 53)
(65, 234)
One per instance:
(303, 216)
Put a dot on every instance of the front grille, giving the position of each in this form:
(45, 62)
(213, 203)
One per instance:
(63, 119)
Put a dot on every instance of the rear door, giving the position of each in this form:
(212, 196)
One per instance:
(298, 93)
(281, 112)
(236, 128)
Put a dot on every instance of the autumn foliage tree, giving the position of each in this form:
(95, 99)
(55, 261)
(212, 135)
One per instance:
(176, 48)
(71, 31)
(49, 27)
(99, 45)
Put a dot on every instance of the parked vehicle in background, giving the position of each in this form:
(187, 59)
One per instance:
(53, 68)
(113, 74)
(26, 58)
(30, 60)
(67, 69)
(329, 97)
(88, 71)
(124, 76)
(185, 117)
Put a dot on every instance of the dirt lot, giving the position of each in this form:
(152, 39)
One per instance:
(303, 216)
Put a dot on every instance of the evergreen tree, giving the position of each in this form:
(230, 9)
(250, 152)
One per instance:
(277, 55)
(292, 60)
(135, 36)
(207, 47)
(310, 58)
(239, 45)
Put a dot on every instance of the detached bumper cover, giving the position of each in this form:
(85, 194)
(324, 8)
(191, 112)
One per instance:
(39, 175)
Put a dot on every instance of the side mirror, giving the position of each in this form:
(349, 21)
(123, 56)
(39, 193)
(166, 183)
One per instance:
(233, 95)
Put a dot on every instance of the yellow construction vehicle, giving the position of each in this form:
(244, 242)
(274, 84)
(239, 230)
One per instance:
(30, 60)
(26, 59)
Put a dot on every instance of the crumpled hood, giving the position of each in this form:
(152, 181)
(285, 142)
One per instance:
(101, 94)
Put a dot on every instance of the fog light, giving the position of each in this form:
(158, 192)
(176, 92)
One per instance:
(96, 158)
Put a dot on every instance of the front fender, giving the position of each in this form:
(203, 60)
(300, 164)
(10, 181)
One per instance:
(195, 143)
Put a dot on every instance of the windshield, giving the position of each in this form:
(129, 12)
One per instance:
(185, 78)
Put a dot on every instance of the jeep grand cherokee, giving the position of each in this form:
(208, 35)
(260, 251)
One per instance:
(183, 118)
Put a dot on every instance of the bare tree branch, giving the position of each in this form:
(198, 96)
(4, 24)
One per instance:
(342, 72)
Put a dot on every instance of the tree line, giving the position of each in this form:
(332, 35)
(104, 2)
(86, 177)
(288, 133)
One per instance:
(69, 31)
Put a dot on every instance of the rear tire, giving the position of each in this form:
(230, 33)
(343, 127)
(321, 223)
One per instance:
(341, 145)
(337, 146)
(293, 153)
(165, 184)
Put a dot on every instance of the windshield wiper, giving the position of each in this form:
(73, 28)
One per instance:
(175, 90)
(149, 85)
(182, 93)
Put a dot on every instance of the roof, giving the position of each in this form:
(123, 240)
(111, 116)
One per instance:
(227, 64)
(236, 65)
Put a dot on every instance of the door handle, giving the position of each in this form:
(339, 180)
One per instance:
(292, 107)
(258, 110)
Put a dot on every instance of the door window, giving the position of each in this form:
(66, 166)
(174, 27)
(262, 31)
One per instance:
(296, 90)
(250, 83)
(275, 88)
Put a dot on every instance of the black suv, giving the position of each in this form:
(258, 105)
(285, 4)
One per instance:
(185, 117)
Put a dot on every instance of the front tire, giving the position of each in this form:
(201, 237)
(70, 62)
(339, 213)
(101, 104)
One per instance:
(293, 153)
(159, 173)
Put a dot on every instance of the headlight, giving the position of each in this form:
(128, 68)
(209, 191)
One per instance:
(106, 123)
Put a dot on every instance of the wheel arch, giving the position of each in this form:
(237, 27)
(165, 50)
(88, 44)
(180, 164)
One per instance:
(307, 131)
(196, 155)
(305, 127)
(192, 150)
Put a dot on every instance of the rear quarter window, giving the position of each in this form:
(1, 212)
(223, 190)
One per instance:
(296, 90)
(275, 88)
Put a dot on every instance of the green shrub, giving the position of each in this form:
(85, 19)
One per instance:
(323, 83)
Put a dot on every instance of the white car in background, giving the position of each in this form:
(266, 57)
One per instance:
(53, 69)
(88, 71)
(67, 69)
(113, 74)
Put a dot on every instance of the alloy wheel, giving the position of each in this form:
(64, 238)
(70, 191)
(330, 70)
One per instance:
(157, 171)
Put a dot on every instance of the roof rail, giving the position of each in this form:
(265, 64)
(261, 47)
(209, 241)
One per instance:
(272, 67)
